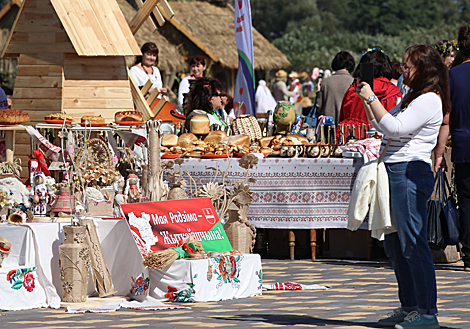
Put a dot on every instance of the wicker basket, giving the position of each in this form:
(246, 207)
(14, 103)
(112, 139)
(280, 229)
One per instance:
(248, 125)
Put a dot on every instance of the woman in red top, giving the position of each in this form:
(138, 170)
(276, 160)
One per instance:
(352, 110)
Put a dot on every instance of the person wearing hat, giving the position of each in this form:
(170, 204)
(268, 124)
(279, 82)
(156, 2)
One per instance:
(280, 91)
(5, 247)
(296, 88)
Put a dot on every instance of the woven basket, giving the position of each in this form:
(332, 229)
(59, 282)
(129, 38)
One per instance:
(248, 125)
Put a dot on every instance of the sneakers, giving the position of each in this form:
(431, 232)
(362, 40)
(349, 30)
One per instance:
(395, 317)
(417, 321)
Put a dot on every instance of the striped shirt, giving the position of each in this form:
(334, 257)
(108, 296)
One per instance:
(413, 129)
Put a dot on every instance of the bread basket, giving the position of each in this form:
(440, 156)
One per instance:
(248, 125)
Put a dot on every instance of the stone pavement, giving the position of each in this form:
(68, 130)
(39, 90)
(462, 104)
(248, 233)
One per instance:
(360, 294)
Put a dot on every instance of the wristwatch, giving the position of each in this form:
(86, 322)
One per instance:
(371, 99)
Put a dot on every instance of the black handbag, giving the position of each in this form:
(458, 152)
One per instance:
(443, 220)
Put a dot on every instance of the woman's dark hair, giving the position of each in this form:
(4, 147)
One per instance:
(343, 60)
(229, 105)
(396, 68)
(148, 47)
(200, 94)
(464, 41)
(431, 75)
(382, 66)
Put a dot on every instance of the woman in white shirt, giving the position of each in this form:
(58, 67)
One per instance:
(413, 126)
(198, 68)
(144, 69)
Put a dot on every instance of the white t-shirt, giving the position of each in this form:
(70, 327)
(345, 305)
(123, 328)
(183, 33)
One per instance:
(141, 77)
(413, 130)
(183, 89)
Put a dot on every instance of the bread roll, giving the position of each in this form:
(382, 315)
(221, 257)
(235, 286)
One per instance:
(302, 139)
(266, 150)
(128, 116)
(199, 125)
(92, 119)
(215, 136)
(186, 139)
(237, 140)
(265, 141)
(169, 140)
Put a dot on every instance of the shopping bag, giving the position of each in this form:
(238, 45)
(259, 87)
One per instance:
(451, 226)
(443, 222)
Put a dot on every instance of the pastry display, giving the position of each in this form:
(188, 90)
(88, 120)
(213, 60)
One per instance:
(92, 119)
(58, 116)
(13, 116)
(199, 125)
(128, 116)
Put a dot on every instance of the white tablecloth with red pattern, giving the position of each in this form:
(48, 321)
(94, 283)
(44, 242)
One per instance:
(292, 193)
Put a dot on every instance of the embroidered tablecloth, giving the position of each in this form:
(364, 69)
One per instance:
(291, 193)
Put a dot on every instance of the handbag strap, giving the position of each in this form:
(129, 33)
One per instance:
(384, 151)
(314, 110)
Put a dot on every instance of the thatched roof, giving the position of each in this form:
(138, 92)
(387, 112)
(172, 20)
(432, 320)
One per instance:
(212, 28)
(169, 59)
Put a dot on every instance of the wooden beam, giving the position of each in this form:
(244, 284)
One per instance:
(150, 23)
(153, 96)
(167, 9)
(145, 89)
(139, 100)
(180, 27)
(143, 13)
(158, 16)
(5, 46)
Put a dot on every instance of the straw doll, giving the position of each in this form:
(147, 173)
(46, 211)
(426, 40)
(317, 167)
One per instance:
(119, 197)
(39, 194)
(132, 191)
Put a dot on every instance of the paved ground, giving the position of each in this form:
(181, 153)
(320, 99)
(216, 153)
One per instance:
(361, 292)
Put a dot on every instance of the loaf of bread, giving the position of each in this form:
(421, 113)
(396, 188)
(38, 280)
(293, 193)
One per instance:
(13, 116)
(128, 116)
(265, 141)
(57, 116)
(199, 125)
(170, 140)
(237, 140)
(215, 136)
(186, 139)
(300, 138)
(92, 119)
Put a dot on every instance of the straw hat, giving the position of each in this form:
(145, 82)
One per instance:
(5, 245)
(293, 74)
(281, 74)
(304, 75)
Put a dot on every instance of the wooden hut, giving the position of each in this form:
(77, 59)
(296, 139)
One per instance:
(71, 58)
(206, 29)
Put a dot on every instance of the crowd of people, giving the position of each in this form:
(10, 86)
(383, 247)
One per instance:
(414, 104)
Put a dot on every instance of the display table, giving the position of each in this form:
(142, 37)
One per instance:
(206, 280)
(292, 193)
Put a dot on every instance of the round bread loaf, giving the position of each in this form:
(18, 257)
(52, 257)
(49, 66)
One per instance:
(199, 125)
(215, 136)
(265, 141)
(169, 140)
(300, 138)
(237, 140)
(92, 119)
(186, 139)
(128, 116)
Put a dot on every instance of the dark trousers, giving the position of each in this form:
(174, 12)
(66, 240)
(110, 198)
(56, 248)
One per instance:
(462, 182)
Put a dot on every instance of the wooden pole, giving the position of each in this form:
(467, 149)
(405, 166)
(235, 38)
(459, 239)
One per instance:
(142, 15)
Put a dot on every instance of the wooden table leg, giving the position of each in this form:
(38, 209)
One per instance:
(313, 243)
(291, 244)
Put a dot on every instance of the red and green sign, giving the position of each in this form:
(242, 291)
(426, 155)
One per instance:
(164, 224)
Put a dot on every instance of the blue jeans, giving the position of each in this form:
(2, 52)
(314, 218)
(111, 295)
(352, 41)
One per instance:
(411, 185)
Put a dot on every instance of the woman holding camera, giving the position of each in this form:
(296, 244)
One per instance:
(413, 127)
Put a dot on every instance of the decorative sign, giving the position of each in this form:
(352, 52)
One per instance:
(164, 224)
